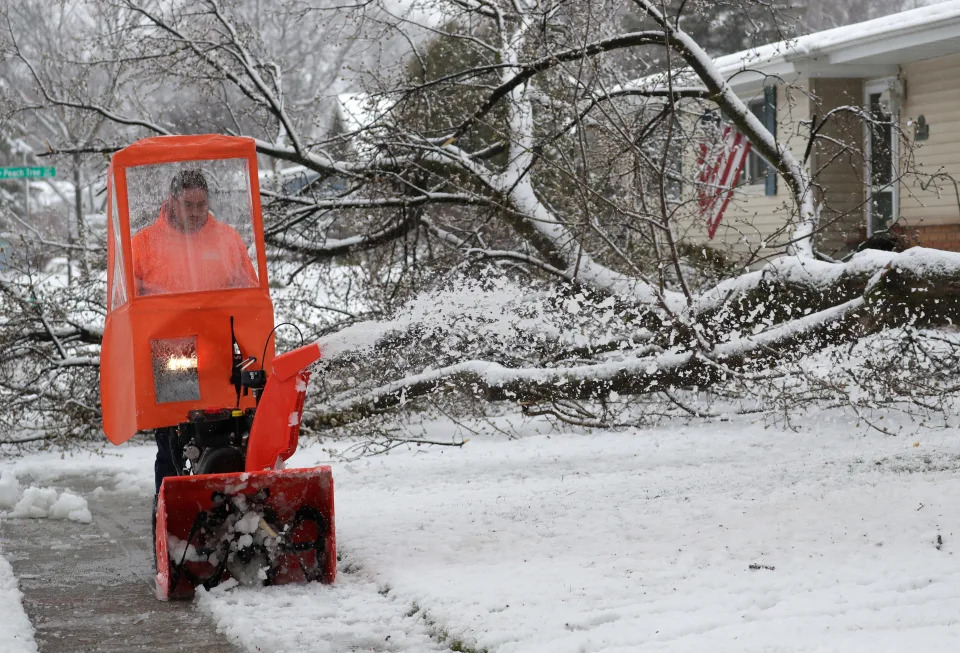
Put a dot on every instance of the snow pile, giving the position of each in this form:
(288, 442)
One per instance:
(9, 490)
(72, 507)
(135, 483)
(16, 632)
(40, 503)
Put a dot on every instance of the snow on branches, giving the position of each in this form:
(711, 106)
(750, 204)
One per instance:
(481, 199)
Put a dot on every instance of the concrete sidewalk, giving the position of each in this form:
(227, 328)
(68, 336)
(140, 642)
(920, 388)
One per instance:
(90, 587)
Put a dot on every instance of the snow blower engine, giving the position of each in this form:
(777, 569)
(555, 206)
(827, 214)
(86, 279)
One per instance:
(188, 351)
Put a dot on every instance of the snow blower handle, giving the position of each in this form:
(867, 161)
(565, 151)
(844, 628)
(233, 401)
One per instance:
(276, 424)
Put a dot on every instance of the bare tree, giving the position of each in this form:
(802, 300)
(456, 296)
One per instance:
(532, 147)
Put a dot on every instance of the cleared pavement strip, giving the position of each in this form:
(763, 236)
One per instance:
(90, 588)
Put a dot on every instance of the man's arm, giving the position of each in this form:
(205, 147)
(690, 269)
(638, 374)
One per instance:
(244, 274)
(137, 247)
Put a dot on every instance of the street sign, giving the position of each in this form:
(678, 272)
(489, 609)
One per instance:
(28, 172)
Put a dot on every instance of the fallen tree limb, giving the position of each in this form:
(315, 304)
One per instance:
(895, 295)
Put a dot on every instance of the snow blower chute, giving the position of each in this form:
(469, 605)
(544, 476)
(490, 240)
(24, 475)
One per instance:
(187, 350)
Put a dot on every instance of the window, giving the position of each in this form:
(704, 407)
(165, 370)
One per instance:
(118, 290)
(882, 207)
(191, 226)
(673, 175)
(175, 376)
(756, 170)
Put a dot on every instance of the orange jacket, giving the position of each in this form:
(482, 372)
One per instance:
(167, 260)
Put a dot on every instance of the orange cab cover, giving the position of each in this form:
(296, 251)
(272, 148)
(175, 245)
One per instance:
(186, 279)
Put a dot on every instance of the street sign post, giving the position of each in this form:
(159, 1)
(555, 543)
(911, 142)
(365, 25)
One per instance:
(27, 172)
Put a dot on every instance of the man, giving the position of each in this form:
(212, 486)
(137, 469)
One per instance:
(187, 250)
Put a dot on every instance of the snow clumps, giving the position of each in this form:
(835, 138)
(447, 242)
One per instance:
(40, 502)
(9, 490)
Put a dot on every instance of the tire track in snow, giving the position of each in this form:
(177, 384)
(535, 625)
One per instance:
(353, 614)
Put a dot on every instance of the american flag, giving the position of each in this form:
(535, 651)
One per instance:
(720, 167)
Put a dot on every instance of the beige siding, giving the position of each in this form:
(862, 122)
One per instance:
(932, 90)
(756, 224)
(929, 193)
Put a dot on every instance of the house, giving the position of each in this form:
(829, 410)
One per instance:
(897, 171)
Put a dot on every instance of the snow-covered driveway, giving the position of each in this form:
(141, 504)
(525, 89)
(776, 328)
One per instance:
(716, 538)
(724, 537)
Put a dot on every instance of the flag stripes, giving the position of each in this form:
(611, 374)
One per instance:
(720, 168)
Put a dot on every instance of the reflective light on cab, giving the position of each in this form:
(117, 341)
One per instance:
(175, 375)
(176, 363)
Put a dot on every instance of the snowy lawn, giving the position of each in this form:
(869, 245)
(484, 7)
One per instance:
(723, 537)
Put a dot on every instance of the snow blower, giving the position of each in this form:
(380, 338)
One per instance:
(188, 350)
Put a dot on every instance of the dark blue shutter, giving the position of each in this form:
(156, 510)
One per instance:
(770, 122)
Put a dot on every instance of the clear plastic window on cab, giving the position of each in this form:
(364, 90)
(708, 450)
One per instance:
(118, 289)
(191, 226)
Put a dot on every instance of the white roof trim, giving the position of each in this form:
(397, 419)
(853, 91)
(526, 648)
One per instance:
(871, 48)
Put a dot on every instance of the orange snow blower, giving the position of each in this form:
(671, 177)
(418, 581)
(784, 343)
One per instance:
(187, 348)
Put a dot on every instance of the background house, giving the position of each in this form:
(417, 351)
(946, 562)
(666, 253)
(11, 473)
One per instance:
(888, 155)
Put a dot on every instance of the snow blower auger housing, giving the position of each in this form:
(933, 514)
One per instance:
(187, 347)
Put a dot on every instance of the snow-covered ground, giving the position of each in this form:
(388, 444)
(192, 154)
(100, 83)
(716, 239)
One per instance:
(720, 537)
(16, 633)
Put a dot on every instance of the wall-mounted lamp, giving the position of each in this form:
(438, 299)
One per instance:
(921, 129)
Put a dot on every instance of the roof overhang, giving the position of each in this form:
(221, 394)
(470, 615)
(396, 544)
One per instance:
(875, 48)
(914, 44)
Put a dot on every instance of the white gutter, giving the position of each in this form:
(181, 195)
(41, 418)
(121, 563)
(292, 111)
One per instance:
(850, 44)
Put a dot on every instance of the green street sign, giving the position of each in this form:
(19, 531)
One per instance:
(28, 172)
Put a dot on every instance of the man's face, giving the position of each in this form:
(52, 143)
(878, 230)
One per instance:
(189, 209)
